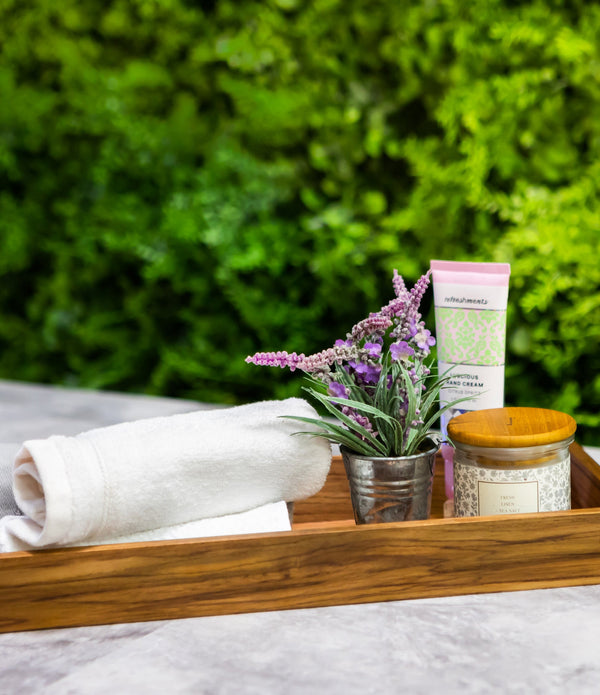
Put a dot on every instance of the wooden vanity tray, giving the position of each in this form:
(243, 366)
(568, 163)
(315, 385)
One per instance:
(324, 560)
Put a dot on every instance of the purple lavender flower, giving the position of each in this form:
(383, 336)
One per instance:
(398, 283)
(419, 289)
(395, 307)
(337, 354)
(373, 349)
(363, 359)
(276, 359)
(401, 350)
(421, 336)
(338, 390)
(371, 375)
(364, 372)
(362, 420)
(372, 325)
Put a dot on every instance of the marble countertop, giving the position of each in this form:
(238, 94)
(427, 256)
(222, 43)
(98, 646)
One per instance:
(544, 641)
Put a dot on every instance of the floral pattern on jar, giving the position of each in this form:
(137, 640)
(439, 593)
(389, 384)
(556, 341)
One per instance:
(551, 485)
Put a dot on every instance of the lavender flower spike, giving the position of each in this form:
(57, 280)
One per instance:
(373, 324)
(276, 359)
(398, 283)
(420, 287)
(338, 353)
(376, 372)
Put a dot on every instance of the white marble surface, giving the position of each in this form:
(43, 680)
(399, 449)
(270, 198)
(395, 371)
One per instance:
(545, 641)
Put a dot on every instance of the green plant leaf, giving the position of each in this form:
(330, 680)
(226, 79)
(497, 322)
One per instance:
(339, 435)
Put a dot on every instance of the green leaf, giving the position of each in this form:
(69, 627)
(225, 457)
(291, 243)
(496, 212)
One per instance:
(361, 407)
(352, 424)
(339, 435)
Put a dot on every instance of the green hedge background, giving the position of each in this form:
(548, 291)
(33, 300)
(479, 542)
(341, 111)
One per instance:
(183, 183)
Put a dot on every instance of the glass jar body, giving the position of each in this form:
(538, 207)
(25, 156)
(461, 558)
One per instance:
(512, 480)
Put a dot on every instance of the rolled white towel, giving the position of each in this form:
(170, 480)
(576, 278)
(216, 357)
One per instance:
(160, 472)
(266, 519)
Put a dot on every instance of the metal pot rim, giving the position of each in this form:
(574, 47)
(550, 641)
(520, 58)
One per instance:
(432, 449)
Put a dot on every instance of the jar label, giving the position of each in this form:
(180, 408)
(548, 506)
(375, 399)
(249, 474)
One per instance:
(483, 491)
(508, 498)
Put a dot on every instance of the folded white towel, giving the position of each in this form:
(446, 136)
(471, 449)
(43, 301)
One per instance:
(266, 519)
(150, 474)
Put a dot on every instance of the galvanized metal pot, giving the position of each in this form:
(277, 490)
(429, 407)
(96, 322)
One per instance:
(391, 489)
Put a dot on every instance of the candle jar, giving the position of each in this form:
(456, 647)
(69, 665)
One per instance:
(511, 461)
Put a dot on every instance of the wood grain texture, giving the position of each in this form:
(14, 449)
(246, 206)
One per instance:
(511, 427)
(319, 563)
(331, 503)
(585, 479)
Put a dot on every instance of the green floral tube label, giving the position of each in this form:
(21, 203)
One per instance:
(471, 336)
(471, 333)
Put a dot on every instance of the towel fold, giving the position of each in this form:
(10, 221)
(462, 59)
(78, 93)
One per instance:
(269, 518)
(114, 482)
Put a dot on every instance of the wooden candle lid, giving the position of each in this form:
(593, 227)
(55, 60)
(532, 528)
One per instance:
(511, 427)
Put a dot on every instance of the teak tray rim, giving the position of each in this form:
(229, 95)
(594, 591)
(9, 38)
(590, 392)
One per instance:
(315, 564)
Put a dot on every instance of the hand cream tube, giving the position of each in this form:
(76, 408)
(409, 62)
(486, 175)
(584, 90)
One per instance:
(470, 302)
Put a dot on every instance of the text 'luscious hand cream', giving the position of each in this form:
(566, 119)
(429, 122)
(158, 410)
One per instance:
(470, 315)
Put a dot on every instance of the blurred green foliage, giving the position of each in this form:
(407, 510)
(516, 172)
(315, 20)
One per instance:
(183, 184)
